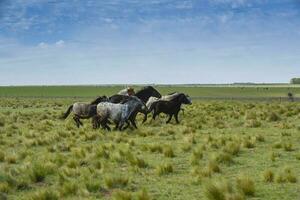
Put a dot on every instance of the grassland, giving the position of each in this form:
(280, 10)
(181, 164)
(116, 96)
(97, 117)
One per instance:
(214, 91)
(221, 150)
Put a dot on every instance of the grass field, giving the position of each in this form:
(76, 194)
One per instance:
(217, 91)
(227, 150)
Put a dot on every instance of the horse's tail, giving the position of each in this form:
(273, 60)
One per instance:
(68, 112)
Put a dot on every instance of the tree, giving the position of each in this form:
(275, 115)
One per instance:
(295, 81)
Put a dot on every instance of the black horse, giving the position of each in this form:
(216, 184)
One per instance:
(144, 94)
(84, 110)
(171, 107)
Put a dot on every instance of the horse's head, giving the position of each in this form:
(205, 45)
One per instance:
(185, 99)
(130, 91)
(154, 92)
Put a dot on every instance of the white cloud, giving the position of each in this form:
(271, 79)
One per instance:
(43, 45)
(60, 43)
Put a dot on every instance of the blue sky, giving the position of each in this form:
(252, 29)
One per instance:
(148, 41)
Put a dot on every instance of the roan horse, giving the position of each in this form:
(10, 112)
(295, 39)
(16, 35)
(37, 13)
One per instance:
(144, 94)
(171, 107)
(119, 113)
(84, 110)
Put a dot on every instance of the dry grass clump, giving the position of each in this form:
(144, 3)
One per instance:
(2, 121)
(253, 124)
(4, 187)
(168, 151)
(246, 185)
(39, 171)
(136, 161)
(164, 169)
(11, 159)
(268, 176)
(213, 167)
(143, 195)
(213, 192)
(288, 146)
(116, 181)
(155, 148)
(222, 191)
(186, 147)
(197, 155)
(232, 148)
(69, 188)
(248, 143)
(286, 175)
(122, 195)
(2, 156)
(222, 157)
(102, 152)
(273, 117)
(44, 195)
(92, 185)
(260, 138)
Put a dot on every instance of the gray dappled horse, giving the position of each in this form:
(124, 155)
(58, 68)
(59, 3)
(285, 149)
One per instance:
(83, 110)
(144, 94)
(119, 113)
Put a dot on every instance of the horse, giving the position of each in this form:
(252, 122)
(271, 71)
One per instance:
(167, 97)
(144, 94)
(129, 91)
(84, 110)
(171, 107)
(119, 113)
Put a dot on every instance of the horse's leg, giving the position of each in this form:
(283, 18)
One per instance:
(80, 122)
(95, 122)
(170, 117)
(117, 125)
(106, 126)
(127, 125)
(154, 115)
(132, 120)
(145, 117)
(176, 118)
(76, 121)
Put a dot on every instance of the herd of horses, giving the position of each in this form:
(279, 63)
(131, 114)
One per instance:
(123, 109)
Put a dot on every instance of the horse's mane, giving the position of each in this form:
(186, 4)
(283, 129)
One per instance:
(146, 88)
(99, 99)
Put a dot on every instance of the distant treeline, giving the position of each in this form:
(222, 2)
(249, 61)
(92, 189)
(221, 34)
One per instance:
(295, 81)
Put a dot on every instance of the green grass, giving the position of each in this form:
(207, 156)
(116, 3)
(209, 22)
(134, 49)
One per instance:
(216, 152)
(216, 91)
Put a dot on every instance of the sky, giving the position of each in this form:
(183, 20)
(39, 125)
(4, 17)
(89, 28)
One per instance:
(72, 42)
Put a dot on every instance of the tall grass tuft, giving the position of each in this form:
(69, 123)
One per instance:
(168, 151)
(163, 169)
(213, 192)
(44, 195)
(246, 185)
(39, 172)
(143, 195)
(268, 176)
(122, 195)
(69, 188)
(115, 181)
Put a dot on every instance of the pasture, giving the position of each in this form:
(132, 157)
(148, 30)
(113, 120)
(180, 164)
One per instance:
(227, 150)
(213, 91)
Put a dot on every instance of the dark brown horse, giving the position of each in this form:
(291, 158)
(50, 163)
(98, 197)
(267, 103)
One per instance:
(171, 107)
